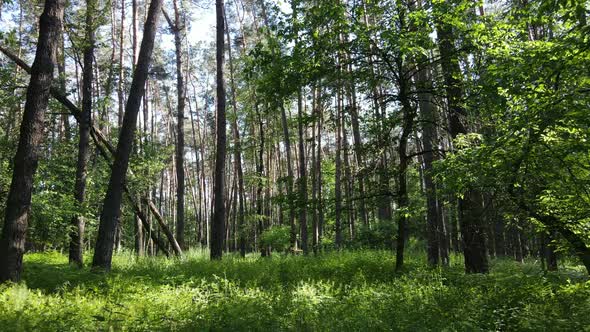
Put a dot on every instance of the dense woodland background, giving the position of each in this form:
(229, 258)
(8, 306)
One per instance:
(330, 165)
(307, 126)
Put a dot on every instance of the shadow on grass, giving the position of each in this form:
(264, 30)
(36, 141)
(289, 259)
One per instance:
(52, 273)
(350, 290)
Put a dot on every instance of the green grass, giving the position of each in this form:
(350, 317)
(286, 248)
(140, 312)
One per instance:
(348, 291)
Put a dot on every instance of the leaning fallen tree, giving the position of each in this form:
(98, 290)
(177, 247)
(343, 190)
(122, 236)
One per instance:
(107, 150)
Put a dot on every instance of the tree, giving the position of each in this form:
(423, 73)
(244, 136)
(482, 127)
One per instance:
(177, 29)
(301, 130)
(470, 206)
(238, 151)
(218, 220)
(109, 217)
(12, 243)
(437, 250)
(77, 233)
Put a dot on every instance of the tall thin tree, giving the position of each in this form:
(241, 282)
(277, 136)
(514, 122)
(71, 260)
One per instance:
(177, 29)
(109, 217)
(218, 220)
(77, 233)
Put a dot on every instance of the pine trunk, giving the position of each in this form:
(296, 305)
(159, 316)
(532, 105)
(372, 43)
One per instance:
(18, 203)
(77, 234)
(218, 220)
(109, 218)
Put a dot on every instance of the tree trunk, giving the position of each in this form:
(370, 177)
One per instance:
(290, 176)
(238, 149)
(338, 181)
(139, 248)
(302, 177)
(358, 149)
(134, 33)
(15, 110)
(499, 241)
(109, 218)
(181, 99)
(320, 228)
(164, 227)
(77, 234)
(548, 248)
(470, 206)
(314, 171)
(348, 180)
(197, 182)
(120, 92)
(403, 199)
(302, 181)
(218, 221)
(260, 182)
(18, 204)
(63, 123)
(437, 248)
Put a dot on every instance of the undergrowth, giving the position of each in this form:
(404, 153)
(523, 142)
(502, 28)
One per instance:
(346, 291)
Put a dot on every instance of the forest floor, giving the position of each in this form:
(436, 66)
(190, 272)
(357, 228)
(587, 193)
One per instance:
(347, 291)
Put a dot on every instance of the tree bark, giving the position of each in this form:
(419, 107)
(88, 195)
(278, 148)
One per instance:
(290, 176)
(403, 199)
(302, 176)
(77, 233)
(164, 227)
(181, 102)
(320, 226)
(139, 248)
(238, 150)
(12, 243)
(260, 183)
(109, 218)
(302, 181)
(338, 179)
(120, 92)
(549, 251)
(63, 123)
(437, 249)
(315, 185)
(218, 220)
(358, 147)
(470, 206)
(348, 180)
(134, 33)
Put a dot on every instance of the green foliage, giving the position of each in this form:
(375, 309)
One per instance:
(278, 237)
(381, 235)
(353, 291)
(529, 94)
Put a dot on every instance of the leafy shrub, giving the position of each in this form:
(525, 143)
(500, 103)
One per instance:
(278, 237)
(381, 235)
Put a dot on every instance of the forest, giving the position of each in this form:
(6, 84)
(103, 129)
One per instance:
(295, 165)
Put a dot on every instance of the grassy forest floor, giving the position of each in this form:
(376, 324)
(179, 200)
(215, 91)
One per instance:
(347, 291)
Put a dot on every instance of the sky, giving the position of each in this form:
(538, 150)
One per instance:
(203, 23)
(202, 27)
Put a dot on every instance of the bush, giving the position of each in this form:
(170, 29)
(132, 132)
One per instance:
(381, 235)
(277, 237)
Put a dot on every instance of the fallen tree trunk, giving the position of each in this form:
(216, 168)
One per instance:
(163, 226)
